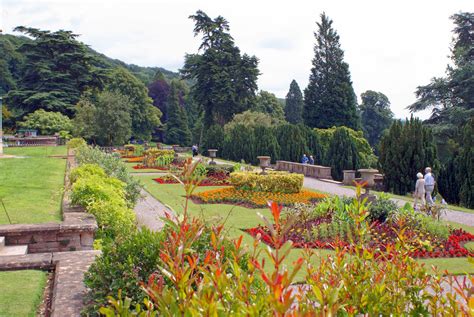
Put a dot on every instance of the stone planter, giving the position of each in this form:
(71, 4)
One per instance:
(212, 155)
(349, 177)
(264, 163)
(368, 175)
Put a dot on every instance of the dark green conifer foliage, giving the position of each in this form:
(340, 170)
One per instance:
(294, 104)
(177, 129)
(376, 115)
(329, 99)
(239, 144)
(314, 146)
(266, 143)
(292, 141)
(213, 138)
(404, 151)
(342, 154)
(465, 174)
(57, 70)
(225, 79)
(448, 183)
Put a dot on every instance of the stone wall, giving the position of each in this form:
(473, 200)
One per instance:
(75, 233)
(316, 171)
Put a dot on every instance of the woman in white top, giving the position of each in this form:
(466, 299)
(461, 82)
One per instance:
(419, 190)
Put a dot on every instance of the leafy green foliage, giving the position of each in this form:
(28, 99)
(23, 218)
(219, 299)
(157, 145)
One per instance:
(292, 141)
(46, 122)
(268, 103)
(75, 143)
(57, 69)
(104, 197)
(113, 167)
(213, 139)
(177, 129)
(342, 154)
(225, 80)
(252, 119)
(376, 115)
(145, 118)
(294, 104)
(404, 151)
(381, 208)
(329, 98)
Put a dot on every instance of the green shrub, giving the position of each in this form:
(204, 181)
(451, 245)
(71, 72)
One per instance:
(221, 168)
(47, 122)
(276, 182)
(381, 208)
(85, 171)
(114, 167)
(122, 266)
(75, 143)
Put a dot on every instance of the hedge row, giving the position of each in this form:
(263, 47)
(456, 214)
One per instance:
(275, 182)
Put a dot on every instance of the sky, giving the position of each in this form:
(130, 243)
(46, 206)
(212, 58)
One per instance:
(390, 46)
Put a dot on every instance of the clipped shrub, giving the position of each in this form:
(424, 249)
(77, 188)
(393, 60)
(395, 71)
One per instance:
(220, 168)
(276, 182)
(342, 153)
(114, 167)
(86, 170)
(75, 143)
(92, 188)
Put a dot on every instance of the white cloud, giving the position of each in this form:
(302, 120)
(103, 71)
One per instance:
(391, 47)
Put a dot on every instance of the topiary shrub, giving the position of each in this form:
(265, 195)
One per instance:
(275, 182)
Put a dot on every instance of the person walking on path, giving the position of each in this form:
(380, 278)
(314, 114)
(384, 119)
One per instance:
(311, 160)
(429, 185)
(195, 150)
(419, 190)
(304, 159)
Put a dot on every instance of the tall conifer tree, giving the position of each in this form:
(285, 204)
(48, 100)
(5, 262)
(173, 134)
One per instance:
(329, 98)
(177, 129)
(294, 104)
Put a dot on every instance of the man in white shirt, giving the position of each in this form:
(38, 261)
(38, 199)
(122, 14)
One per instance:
(429, 185)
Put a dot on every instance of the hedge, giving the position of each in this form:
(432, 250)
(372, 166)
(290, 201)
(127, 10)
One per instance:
(275, 182)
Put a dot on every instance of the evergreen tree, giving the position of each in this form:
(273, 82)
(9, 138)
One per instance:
(292, 141)
(404, 151)
(449, 184)
(159, 91)
(266, 143)
(342, 154)
(239, 145)
(313, 144)
(145, 117)
(465, 174)
(214, 139)
(225, 80)
(57, 69)
(294, 104)
(177, 129)
(329, 98)
(376, 115)
(268, 103)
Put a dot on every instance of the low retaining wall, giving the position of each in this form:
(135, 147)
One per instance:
(75, 233)
(316, 171)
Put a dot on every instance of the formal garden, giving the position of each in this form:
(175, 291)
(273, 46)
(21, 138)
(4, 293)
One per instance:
(138, 191)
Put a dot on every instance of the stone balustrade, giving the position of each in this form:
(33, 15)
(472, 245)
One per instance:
(316, 171)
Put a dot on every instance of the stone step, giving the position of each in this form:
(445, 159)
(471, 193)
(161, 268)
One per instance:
(14, 250)
(2, 242)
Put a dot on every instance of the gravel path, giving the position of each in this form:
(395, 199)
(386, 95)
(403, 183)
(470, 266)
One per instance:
(149, 211)
(336, 189)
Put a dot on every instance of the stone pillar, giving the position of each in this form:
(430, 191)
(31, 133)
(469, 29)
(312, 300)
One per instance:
(368, 176)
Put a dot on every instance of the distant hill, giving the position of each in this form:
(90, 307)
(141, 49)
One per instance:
(11, 63)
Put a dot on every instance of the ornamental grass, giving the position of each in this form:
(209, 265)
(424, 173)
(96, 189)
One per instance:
(255, 199)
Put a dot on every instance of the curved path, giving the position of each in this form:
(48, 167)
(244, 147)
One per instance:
(336, 189)
(149, 212)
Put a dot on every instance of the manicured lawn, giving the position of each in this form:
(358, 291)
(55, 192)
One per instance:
(236, 218)
(21, 292)
(31, 187)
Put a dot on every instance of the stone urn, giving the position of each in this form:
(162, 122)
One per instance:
(349, 177)
(264, 163)
(368, 175)
(212, 155)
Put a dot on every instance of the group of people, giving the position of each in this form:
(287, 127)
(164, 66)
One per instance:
(307, 160)
(424, 188)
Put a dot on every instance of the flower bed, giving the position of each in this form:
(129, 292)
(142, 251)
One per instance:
(254, 199)
(133, 159)
(382, 235)
(142, 167)
(215, 179)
